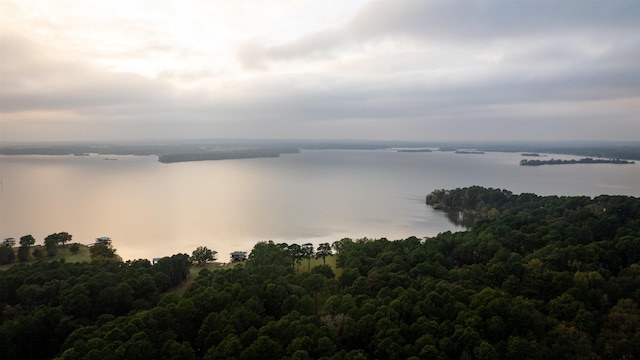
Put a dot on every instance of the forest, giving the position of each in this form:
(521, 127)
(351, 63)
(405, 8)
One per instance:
(526, 162)
(534, 278)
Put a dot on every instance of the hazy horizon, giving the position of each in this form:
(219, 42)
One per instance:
(447, 71)
(345, 140)
(301, 142)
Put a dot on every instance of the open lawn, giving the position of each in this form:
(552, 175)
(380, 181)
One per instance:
(63, 253)
(329, 260)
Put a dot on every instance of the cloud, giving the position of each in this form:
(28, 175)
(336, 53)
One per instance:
(468, 23)
(493, 19)
(437, 53)
(36, 78)
(252, 56)
(409, 69)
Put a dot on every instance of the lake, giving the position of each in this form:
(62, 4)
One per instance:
(151, 209)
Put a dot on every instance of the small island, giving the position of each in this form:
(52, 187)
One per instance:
(473, 152)
(531, 154)
(526, 162)
(415, 150)
(226, 155)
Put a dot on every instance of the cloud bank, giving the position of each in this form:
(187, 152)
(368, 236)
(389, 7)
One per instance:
(415, 70)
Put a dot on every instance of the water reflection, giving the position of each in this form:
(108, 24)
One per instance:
(460, 218)
(152, 209)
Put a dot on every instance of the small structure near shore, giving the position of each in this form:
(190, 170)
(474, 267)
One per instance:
(103, 240)
(238, 256)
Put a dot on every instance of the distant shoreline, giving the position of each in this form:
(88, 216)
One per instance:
(415, 150)
(176, 148)
(573, 161)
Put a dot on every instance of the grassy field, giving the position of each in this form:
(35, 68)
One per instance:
(330, 260)
(63, 253)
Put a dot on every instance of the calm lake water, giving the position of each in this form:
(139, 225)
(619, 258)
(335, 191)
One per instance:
(151, 209)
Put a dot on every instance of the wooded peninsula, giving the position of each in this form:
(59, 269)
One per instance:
(526, 162)
(226, 155)
(535, 277)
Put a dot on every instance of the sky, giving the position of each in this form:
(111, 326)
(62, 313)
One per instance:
(319, 69)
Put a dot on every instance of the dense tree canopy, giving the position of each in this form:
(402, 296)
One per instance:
(45, 303)
(27, 240)
(202, 254)
(7, 255)
(101, 251)
(324, 250)
(534, 278)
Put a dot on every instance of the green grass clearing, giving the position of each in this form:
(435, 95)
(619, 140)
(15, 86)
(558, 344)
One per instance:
(82, 255)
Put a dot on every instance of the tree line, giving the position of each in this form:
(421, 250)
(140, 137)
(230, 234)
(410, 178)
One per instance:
(526, 162)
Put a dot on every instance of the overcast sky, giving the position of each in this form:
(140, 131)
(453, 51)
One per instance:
(396, 70)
